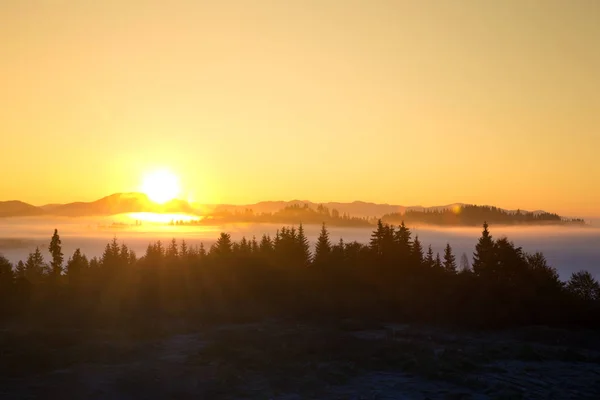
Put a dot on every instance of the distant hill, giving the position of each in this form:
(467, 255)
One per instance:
(114, 204)
(120, 203)
(357, 212)
(15, 208)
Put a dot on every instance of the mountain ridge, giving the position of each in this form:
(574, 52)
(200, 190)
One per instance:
(129, 202)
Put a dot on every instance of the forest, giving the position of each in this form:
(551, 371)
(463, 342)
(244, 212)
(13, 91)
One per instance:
(472, 215)
(464, 215)
(393, 277)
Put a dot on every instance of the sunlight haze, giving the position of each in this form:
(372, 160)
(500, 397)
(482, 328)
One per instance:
(401, 102)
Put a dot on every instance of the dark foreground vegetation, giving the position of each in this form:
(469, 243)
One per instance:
(392, 278)
(268, 319)
(283, 360)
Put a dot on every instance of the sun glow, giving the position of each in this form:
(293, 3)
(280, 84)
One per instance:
(161, 186)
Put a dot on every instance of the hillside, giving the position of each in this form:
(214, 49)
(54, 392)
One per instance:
(120, 203)
(15, 208)
(356, 213)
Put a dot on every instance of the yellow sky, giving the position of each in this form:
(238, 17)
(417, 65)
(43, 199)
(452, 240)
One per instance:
(404, 102)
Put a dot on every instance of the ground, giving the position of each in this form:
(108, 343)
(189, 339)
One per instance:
(282, 360)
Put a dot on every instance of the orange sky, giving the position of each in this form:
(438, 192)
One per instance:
(404, 102)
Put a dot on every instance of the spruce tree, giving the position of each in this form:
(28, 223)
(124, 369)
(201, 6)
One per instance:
(254, 245)
(337, 252)
(244, 246)
(417, 253)
(323, 247)
(303, 246)
(483, 258)
(201, 251)
(223, 246)
(376, 243)
(172, 250)
(6, 274)
(266, 245)
(76, 265)
(403, 244)
(183, 251)
(20, 270)
(35, 267)
(429, 261)
(438, 262)
(449, 260)
(55, 249)
(111, 257)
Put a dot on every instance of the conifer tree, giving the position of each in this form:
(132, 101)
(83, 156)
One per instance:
(417, 253)
(76, 265)
(323, 247)
(183, 251)
(20, 270)
(172, 251)
(483, 258)
(404, 245)
(337, 252)
(244, 246)
(6, 274)
(266, 245)
(429, 261)
(35, 267)
(438, 262)
(95, 263)
(376, 243)
(449, 260)
(254, 245)
(223, 246)
(159, 249)
(55, 249)
(112, 254)
(304, 246)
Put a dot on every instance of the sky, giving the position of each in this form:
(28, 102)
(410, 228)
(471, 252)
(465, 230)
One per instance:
(403, 102)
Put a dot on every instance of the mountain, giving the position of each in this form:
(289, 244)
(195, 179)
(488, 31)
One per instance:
(120, 203)
(114, 204)
(15, 208)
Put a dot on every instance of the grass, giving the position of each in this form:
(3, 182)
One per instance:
(271, 359)
(288, 361)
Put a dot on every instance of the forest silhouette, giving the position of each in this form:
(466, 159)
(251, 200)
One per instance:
(393, 277)
(461, 215)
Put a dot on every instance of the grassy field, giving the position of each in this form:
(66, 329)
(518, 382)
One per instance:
(280, 360)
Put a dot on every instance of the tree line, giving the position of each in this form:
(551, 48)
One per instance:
(463, 215)
(291, 214)
(472, 215)
(393, 277)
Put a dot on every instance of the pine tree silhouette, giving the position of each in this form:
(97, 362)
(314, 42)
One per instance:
(483, 258)
(322, 247)
(449, 260)
(55, 249)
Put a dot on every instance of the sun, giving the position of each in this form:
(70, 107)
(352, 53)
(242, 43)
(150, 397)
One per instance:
(161, 186)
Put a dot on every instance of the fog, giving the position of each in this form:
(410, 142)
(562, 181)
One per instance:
(568, 249)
